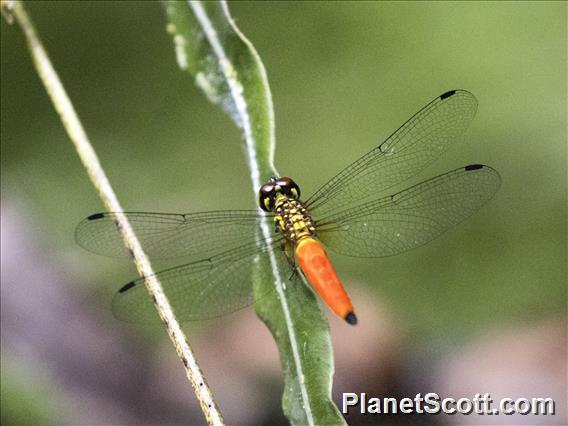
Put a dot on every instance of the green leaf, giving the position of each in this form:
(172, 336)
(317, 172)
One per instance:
(227, 68)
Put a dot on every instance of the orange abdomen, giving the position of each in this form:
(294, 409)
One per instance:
(317, 268)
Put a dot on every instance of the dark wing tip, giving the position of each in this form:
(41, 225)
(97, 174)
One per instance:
(96, 216)
(448, 94)
(126, 287)
(474, 167)
(351, 318)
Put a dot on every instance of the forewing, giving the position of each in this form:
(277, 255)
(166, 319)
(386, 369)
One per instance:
(198, 290)
(415, 145)
(410, 218)
(171, 235)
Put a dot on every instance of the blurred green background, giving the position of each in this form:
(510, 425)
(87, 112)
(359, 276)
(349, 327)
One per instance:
(343, 76)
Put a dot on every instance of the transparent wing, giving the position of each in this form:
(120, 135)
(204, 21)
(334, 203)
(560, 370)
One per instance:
(415, 145)
(171, 235)
(198, 290)
(410, 218)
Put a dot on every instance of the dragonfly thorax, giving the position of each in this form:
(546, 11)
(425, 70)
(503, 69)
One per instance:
(293, 219)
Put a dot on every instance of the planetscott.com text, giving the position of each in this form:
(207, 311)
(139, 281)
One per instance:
(432, 403)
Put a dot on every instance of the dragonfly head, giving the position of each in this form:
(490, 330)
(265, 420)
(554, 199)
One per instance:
(275, 187)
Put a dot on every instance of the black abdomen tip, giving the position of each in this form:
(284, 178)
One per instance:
(126, 287)
(96, 216)
(447, 94)
(351, 318)
(473, 167)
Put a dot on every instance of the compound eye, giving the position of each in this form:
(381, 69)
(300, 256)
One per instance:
(289, 187)
(266, 195)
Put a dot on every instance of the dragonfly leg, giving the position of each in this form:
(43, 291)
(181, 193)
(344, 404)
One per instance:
(295, 272)
(288, 249)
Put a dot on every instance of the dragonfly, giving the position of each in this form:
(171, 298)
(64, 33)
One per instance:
(357, 213)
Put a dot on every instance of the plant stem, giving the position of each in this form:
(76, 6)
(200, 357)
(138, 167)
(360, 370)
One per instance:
(98, 177)
(260, 164)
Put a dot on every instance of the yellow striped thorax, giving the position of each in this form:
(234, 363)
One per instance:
(292, 219)
(281, 196)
